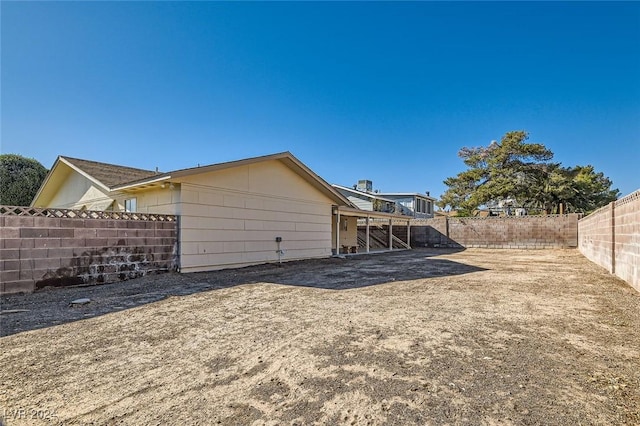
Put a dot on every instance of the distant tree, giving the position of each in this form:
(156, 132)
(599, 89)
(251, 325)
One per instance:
(557, 189)
(20, 179)
(513, 169)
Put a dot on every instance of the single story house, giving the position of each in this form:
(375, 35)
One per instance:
(238, 213)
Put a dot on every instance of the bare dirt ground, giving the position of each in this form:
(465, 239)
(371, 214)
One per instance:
(414, 337)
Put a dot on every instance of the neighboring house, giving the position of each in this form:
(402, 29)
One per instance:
(405, 203)
(231, 214)
(412, 203)
(367, 200)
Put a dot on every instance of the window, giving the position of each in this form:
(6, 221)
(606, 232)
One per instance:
(130, 205)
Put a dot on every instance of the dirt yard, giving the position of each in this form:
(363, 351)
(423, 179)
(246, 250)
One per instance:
(414, 337)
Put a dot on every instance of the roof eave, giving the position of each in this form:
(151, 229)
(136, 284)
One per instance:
(139, 183)
(44, 183)
(366, 194)
(327, 188)
(85, 174)
(350, 211)
(408, 194)
(285, 156)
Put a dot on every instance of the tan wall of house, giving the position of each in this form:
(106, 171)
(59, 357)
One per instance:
(78, 191)
(232, 217)
(348, 232)
(158, 200)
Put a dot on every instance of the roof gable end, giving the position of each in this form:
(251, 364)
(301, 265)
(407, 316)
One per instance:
(104, 174)
(286, 158)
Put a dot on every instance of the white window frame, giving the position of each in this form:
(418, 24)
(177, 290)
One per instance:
(131, 205)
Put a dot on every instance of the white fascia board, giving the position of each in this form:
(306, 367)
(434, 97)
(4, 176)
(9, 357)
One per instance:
(44, 183)
(349, 211)
(141, 183)
(373, 196)
(407, 194)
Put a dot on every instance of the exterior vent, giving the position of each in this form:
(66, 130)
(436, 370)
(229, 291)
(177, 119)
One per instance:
(365, 186)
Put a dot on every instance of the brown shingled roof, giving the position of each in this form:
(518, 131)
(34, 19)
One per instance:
(109, 175)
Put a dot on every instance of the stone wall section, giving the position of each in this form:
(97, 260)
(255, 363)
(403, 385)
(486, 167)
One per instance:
(512, 232)
(610, 237)
(37, 252)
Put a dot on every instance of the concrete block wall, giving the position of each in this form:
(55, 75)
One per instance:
(36, 252)
(432, 233)
(595, 235)
(610, 237)
(524, 232)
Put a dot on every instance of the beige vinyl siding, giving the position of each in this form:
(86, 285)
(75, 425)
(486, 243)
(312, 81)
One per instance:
(77, 192)
(232, 217)
(348, 237)
(362, 204)
(157, 200)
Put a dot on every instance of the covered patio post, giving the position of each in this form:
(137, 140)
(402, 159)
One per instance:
(337, 231)
(367, 233)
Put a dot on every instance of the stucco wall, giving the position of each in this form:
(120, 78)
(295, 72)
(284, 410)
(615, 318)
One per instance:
(610, 237)
(553, 231)
(232, 217)
(37, 252)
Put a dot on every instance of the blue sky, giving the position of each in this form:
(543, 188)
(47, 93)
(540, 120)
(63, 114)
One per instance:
(387, 91)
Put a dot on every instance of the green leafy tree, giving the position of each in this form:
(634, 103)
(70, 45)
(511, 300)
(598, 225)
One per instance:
(495, 172)
(513, 169)
(570, 189)
(20, 179)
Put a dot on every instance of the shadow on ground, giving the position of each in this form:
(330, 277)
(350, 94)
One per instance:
(52, 306)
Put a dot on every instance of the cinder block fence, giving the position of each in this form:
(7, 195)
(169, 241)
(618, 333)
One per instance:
(516, 232)
(610, 237)
(57, 247)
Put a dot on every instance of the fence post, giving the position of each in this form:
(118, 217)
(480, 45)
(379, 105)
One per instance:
(178, 244)
(613, 237)
(446, 227)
